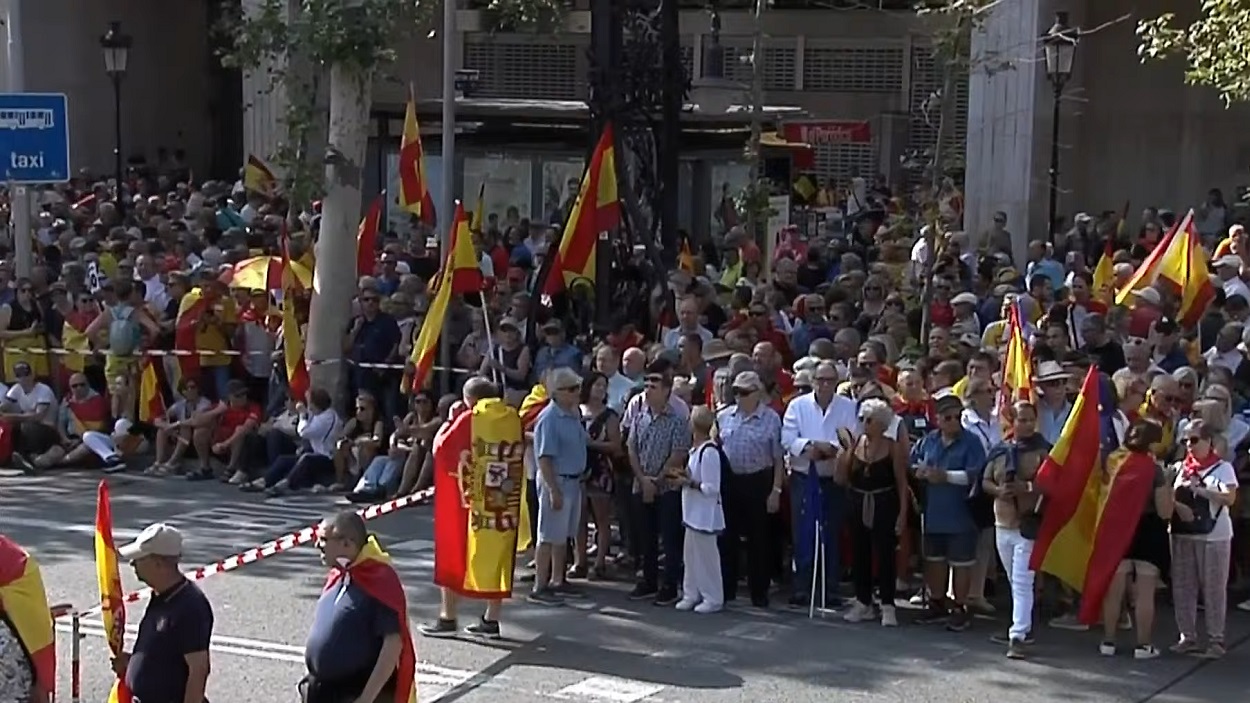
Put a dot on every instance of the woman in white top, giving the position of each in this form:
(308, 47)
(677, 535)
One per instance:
(1202, 538)
(313, 463)
(703, 516)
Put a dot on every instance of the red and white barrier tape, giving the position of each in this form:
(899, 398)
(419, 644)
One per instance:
(61, 351)
(276, 546)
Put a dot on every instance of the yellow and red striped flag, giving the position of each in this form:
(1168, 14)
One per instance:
(1177, 265)
(258, 177)
(151, 401)
(112, 609)
(367, 237)
(1104, 273)
(24, 603)
(460, 270)
(292, 341)
(414, 188)
(596, 209)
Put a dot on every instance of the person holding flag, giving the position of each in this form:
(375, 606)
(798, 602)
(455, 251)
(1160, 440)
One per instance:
(359, 647)
(112, 609)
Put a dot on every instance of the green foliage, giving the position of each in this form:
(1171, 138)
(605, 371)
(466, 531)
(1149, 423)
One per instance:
(1210, 46)
(752, 201)
(526, 15)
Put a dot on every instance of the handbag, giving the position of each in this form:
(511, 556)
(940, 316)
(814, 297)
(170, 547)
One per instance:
(1204, 519)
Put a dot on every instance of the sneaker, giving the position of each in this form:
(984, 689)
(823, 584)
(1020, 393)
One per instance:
(859, 613)
(917, 600)
(544, 596)
(483, 628)
(666, 597)
(1107, 649)
(114, 464)
(26, 465)
(1145, 651)
(980, 606)
(1068, 622)
(567, 590)
(1215, 650)
(439, 628)
(706, 608)
(1004, 638)
(687, 604)
(889, 617)
(643, 592)
(960, 620)
(935, 613)
(238, 479)
(1015, 649)
(1186, 645)
(799, 601)
(202, 474)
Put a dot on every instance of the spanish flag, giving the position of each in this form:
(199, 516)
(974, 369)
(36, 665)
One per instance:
(1178, 265)
(1104, 272)
(460, 269)
(479, 484)
(1075, 543)
(367, 237)
(1017, 369)
(531, 406)
(191, 311)
(292, 341)
(258, 177)
(596, 209)
(24, 604)
(414, 189)
(151, 401)
(685, 258)
(372, 573)
(478, 222)
(112, 609)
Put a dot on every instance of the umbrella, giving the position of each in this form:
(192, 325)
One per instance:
(265, 273)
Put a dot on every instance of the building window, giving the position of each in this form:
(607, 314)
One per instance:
(525, 69)
(508, 182)
(853, 69)
(397, 220)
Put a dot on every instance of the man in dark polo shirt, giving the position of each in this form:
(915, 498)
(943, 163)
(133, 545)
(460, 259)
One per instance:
(355, 644)
(169, 663)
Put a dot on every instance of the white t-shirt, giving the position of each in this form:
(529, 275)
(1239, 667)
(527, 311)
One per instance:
(1222, 474)
(28, 402)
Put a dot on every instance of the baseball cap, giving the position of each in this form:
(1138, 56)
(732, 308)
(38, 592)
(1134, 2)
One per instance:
(156, 540)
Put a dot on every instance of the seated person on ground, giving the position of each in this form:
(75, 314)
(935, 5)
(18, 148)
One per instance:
(312, 464)
(30, 407)
(185, 424)
(82, 440)
(362, 437)
(280, 434)
(237, 419)
(382, 476)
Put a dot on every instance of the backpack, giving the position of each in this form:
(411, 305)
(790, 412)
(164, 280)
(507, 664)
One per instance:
(124, 331)
(725, 471)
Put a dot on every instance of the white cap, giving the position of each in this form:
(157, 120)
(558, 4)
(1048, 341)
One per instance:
(155, 540)
(1150, 295)
(964, 299)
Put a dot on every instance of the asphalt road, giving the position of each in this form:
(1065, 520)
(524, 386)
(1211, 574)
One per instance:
(605, 649)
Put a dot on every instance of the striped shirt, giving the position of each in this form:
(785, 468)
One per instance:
(752, 442)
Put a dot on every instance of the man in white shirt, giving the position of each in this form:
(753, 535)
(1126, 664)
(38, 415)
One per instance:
(31, 407)
(815, 428)
(154, 292)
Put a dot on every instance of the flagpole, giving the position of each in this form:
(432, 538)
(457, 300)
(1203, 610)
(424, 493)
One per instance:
(447, 203)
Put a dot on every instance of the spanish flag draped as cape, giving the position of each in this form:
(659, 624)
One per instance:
(24, 605)
(1091, 513)
(479, 482)
(112, 609)
(530, 408)
(372, 573)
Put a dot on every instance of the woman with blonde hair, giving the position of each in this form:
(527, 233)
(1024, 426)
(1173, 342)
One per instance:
(703, 516)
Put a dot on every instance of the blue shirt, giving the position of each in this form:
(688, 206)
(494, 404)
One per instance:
(946, 504)
(376, 339)
(549, 358)
(560, 436)
(347, 632)
(1049, 268)
(1050, 422)
(177, 623)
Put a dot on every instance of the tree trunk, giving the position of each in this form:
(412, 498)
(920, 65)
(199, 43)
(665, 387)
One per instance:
(946, 113)
(334, 280)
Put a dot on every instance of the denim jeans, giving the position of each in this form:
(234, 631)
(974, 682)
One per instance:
(277, 444)
(834, 497)
(300, 471)
(383, 473)
(659, 523)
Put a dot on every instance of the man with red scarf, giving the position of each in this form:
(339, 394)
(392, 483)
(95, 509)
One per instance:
(359, 648)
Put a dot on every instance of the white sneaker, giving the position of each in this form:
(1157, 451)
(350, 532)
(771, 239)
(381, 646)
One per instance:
(888, 617)
(1106, 649)
(1145, 651)
(686, 604)
(238, 479)
(707, 607)
(859, 613)
(918, 599)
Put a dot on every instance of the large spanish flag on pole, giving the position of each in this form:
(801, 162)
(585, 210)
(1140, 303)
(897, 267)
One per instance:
(292, 341)
(460, 271)
(24, 603)
(1091, 515)
(596, 209)
(373, 573)
(112, 609)
(479, 483)
(1177, 265)
(414, 188)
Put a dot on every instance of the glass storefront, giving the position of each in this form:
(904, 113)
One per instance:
(727, 180)
(508, 183)
(561, 179)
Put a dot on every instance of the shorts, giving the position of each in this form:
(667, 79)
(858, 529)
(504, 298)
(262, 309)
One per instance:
(115, 366)
(1138, 567)
(959, 549)
(559, 526)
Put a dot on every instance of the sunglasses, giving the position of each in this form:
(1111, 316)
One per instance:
(77, 385)
(368, 299)
(948, 416)
(24, 289)
(757, 313)
(1192, 440)
(743, 391)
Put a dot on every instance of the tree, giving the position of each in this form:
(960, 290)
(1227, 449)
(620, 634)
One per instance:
(1209, 44)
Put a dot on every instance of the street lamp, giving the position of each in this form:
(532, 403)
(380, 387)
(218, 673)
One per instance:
(116, 47)
(1059, 45)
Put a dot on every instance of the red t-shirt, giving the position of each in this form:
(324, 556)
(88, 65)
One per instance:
(1140, 320)
(234, 418)
(941, 314)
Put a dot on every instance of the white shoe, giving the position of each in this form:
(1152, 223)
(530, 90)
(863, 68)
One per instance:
(238, 479)
(1107, 649)
(707, 607)
(686, 604)
(1145, 651)
(889, 618)
(859, 613)
(918, 599)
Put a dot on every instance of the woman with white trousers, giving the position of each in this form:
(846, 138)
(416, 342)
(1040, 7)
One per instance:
(703, 516)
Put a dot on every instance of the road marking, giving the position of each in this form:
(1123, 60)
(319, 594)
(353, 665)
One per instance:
(119, 535)
(756, 631)
(610, 688)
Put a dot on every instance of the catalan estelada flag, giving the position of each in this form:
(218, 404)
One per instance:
(479, 483)
(1177, 265)
(460, 269)
(367, 237)
(24, 604)
(414, 189)
(258, 177)
(151, 400)
(292, 341)
(373, 573)
(1091, 515)
(596, 209)
(112, 609)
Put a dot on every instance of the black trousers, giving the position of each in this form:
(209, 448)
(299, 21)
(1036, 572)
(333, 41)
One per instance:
(747, 520)
(874, 543)
(313, 690)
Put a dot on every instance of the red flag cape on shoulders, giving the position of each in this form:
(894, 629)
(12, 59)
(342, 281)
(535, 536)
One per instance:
(452, 445)
(373, 573)
(24, 603)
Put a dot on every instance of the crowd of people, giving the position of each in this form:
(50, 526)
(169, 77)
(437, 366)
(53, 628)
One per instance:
(789, 423)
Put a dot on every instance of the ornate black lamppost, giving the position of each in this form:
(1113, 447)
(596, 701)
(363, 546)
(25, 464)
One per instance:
(116, 47)
(1059, 45)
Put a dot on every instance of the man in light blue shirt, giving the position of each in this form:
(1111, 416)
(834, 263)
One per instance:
(560, 450)
(1040, 263)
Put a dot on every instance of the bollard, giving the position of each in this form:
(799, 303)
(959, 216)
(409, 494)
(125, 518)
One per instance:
(75, 635)
(58, 611)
